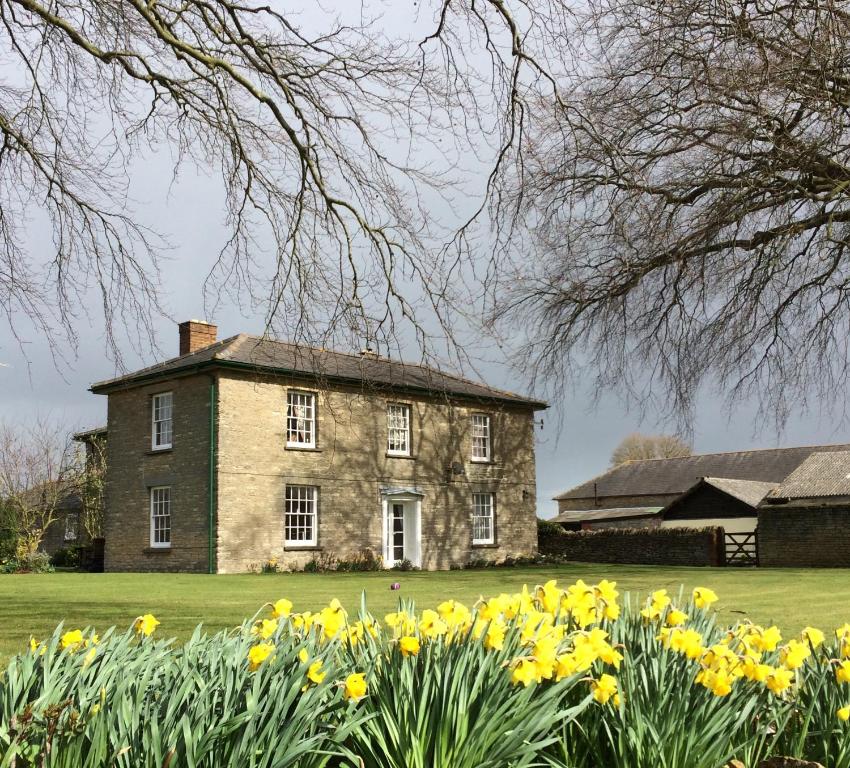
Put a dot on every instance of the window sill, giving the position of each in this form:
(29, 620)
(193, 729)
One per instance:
(485, 546)
(302, 548)
(400, 456)
(156, 550)
(305, 448)
(157, 451)
(485, 462)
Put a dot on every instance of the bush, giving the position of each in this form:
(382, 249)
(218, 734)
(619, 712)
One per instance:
(546, 531)
(365, 560)
(66, 557)
(37, 562)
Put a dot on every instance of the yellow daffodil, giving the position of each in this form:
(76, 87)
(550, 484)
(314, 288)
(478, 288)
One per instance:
(814, 637)
(675, 617)
(494, 638)
(145, 625)
(89, 658)
(304, 622)
(549, 596)
(315, 673)
(265, 628)
(794, 654)
(408, 645)
(604, 688)
(332, 619)
(431, 625)
(842, 672)
(844, 714)
(524, 672)
(766, 640)
(718, 681)
(282, 609)
(401, 623)
(779, 680)
(355, 686)
(704, 597)
(258, 654)
(565, 666)
(72, 640)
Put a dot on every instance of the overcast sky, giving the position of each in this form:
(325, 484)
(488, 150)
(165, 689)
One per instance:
(574, 444)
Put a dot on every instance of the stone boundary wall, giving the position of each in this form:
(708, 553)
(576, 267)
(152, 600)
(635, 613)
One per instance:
(804, 537)
(646, 546)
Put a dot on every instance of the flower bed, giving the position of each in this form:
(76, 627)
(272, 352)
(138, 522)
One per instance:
(565, 678)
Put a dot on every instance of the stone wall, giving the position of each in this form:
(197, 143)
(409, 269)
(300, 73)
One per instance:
(133, 468)
(350, 467)
(667, 546)
(804, 536)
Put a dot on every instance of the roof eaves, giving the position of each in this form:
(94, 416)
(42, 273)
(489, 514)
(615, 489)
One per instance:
(217, 361)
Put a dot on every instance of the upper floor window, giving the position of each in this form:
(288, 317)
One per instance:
(161, 516)
(480, 437)
(483, 527)
(300, 515)
(161, 425)
(398, 429)
(72, 526)
(301, 419)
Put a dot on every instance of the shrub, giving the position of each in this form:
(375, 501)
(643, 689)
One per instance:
(33, 562)
(365, 560)
(66, 557)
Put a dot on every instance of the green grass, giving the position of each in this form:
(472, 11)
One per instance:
(35, 604)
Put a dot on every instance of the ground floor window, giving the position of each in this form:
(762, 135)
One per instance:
(300, 516)
(161, 516)
(483, 510)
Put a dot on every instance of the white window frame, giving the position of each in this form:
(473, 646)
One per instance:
(402, 409)
(72, 526)
(307, 495)
(296, 398)
(478, 421)
(484, 508)
(157, 419)
(156, 507)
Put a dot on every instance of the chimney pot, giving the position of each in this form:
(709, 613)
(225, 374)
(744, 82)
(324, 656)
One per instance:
(195, 335)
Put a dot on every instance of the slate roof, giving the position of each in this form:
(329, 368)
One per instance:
(264, 355)
(751, 492)
(614, 513)
(821, 474)
(657, 477)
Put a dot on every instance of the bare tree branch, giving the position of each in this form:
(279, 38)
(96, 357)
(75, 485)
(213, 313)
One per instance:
(688, 198)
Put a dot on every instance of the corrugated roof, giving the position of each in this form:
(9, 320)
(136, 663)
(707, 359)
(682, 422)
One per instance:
(656, 477)
(821, 474)
(614, 513)
(269, 355)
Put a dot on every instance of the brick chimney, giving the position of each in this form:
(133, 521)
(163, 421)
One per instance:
(195, 335)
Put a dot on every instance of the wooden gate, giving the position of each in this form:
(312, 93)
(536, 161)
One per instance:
(742, 549)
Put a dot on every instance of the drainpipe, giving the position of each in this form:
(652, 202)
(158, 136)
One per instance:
(211, 511)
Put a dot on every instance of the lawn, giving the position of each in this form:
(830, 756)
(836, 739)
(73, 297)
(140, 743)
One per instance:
(34, 604)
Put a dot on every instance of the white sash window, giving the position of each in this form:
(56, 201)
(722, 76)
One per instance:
(398, 429)
(483, 518)
(300, 419)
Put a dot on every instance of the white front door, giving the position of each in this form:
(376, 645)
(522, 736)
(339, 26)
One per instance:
(401, 531)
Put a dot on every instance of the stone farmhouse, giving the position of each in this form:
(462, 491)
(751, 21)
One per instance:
(247, 449)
